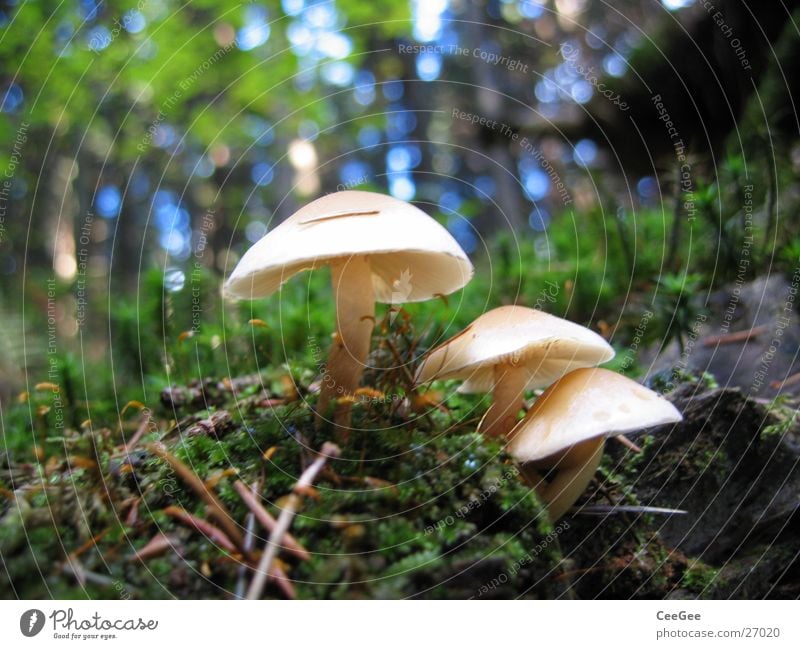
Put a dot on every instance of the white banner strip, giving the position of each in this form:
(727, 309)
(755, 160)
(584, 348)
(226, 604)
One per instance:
(389, 625)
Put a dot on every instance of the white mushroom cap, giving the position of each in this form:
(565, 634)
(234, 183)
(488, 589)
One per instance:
(585, 404)
(411, 255)
(547, 346)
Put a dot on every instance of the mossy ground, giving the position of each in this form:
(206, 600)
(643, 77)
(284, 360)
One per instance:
(406, 511)
(418, 505)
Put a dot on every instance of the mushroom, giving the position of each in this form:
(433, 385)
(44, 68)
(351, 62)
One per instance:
(509, 350)
(566, 427)
(378, 248)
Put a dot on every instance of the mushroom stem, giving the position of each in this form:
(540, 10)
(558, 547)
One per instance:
(574, 472)
(355, 319)
(508, 399)
(534, 479)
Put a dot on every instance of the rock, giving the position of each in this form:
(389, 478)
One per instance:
(734, 465)
(760, 364)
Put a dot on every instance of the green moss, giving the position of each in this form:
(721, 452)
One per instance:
(699, 577)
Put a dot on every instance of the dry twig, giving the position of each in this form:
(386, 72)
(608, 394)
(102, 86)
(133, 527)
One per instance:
(155, 547)
(144, 427)
(214, 534)
(735, 337)
(785, 383)
(249, 542)
(268, 521)
(276, 538)
(628, 443)
(216, 510)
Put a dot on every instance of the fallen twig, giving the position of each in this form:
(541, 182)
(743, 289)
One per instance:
(329, 450)
(214, 534)
(785, 383)
(628, 443)
(268, 521)
(143, 428)
(155, 547)
(74, 567)
(270, 403)
(249, 542)
(88, 545)
(133, 513)
(83, 576)
(216, 510)
(281, 579)
(735, 337)
(601, 510)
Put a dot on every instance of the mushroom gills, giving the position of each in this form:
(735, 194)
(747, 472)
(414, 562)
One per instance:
(351, 279)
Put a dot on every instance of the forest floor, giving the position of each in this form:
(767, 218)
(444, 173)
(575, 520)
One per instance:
(417, 505)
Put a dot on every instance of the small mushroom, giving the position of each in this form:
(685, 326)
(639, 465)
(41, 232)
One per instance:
(509, 350)
(379, 249)
(565, 430)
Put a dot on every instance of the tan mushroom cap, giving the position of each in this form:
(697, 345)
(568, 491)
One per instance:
(546, 345)
(412, 257)
(585, 404)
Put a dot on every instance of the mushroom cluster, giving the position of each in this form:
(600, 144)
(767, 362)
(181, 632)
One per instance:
(378, 247)
(560, 440)
(509, 350)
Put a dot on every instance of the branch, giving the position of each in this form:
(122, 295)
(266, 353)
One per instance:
(213, 534)
(216, 510)
(276, 538)
(268, 521)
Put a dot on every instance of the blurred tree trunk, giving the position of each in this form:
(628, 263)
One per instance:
(488, 102)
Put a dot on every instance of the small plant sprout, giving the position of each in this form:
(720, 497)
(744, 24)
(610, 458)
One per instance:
(564, 431)
(375, 246)
(509, 350)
